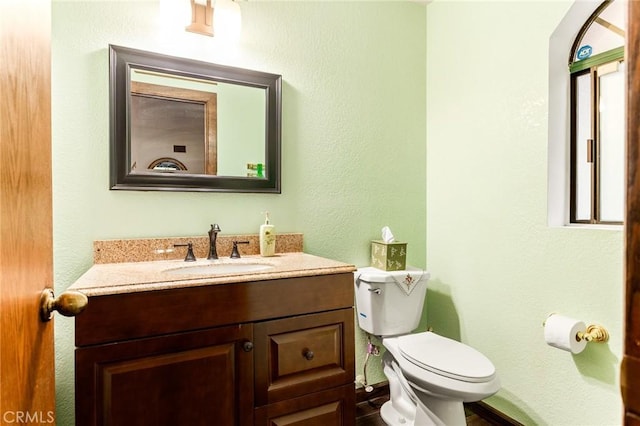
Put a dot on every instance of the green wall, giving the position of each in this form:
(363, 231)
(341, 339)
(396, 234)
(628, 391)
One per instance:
(498, 270)
(353, 139)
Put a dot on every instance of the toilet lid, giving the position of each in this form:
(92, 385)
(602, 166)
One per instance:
(446, 357)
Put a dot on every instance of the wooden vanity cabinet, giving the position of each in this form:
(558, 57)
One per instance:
(273, 352)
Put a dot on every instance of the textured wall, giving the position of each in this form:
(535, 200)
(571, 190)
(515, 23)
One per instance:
(354, 114)
(497, 269)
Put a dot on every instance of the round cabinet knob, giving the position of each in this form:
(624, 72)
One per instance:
(70, 303)
(308, 354)
(247, 346)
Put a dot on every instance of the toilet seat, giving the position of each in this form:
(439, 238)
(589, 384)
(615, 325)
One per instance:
(446, 357)
(436, 384)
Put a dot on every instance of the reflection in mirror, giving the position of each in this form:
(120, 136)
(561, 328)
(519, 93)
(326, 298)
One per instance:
(179, 124)
(167, 120)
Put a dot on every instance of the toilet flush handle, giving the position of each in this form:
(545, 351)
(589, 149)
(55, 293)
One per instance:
(376, 290)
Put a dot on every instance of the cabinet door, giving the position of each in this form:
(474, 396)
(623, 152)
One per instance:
(196, 378)
(335, 407)
(303, 354)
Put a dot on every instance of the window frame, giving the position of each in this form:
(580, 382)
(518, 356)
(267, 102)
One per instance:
(578, 69)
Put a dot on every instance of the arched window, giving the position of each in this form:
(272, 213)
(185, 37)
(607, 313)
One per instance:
(597, 69)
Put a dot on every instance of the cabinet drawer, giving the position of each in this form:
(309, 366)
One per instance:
(301, 351)
(304, 354)
(335, 407)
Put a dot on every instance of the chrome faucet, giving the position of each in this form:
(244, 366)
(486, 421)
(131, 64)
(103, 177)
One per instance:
(213, 236)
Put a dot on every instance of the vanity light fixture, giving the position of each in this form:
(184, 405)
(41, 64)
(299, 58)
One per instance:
(201, 17)
(223, 15)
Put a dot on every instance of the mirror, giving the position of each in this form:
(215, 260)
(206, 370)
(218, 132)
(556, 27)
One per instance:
(183, 125)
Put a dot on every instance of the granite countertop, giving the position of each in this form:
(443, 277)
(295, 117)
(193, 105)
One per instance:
(132, 277)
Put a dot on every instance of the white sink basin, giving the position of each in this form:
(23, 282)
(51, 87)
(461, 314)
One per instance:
(219, 268)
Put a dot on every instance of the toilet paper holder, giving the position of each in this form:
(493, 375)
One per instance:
(594, 333)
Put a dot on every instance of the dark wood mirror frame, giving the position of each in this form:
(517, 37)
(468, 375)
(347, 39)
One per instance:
(122, 60)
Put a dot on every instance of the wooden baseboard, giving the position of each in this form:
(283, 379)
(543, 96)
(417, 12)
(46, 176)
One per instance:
(491, 415)
(481, 409)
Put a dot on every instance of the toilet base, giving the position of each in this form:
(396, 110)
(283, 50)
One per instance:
(412, 406)
(392, 417)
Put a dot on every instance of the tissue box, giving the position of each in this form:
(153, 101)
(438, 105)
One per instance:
(389, 256)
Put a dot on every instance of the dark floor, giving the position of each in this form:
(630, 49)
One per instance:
(367, 414)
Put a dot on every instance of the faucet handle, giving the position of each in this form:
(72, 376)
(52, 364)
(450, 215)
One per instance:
(235, 254)
(190, 257)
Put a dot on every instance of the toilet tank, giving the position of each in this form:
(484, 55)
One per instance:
(389, 303)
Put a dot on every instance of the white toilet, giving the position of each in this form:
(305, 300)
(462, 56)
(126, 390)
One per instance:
(430, 376)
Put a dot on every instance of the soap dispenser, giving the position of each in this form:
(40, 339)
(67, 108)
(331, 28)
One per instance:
(267, 238)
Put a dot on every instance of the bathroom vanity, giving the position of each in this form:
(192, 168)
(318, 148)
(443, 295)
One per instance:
(171, 343)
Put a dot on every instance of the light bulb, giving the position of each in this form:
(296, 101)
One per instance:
(227, 20)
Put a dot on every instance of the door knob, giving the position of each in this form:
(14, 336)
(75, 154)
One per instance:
(247, 346)
(70, 303)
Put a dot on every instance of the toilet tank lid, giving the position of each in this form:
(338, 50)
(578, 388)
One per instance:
(375, 275)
